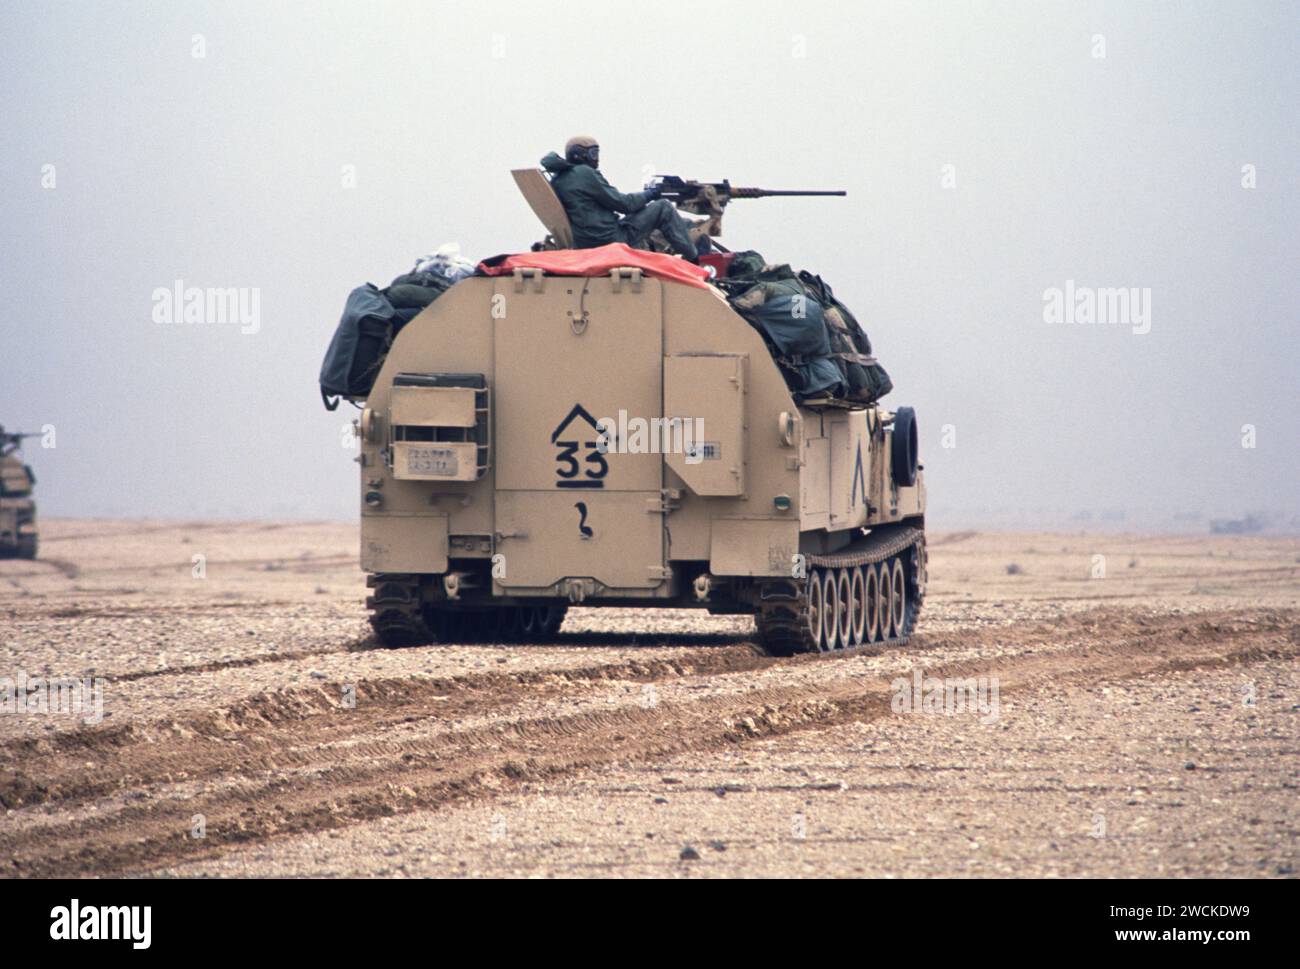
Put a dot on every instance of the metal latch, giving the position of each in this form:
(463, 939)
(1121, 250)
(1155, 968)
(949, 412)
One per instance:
(669, 500)
(524, 275)
(630, 273)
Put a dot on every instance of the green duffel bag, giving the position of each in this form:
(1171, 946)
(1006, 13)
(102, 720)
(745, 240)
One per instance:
(416, 290)
(867, 379)
(357, 349)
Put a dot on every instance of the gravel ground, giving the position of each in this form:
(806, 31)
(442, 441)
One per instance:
(1196, 784)
(1146, 721)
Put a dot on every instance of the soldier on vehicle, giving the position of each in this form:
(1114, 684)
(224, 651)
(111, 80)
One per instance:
(593, 205)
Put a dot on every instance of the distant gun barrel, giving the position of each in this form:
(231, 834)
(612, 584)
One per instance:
(10, 442)
(759, 193)
(709, 199)
(676, 188)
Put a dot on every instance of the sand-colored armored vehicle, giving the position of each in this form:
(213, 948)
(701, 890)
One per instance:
(17, 508)
(623, 437)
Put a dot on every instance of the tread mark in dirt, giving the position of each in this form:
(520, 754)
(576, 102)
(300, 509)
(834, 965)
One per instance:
(279, 778)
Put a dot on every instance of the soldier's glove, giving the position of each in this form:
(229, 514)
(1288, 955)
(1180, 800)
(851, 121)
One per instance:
(653, 192)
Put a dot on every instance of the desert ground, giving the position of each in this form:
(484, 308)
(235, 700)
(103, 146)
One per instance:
(1146, 723)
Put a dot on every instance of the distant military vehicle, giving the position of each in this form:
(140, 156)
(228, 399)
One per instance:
(17, 508)
(536, 440)
(1236, 526)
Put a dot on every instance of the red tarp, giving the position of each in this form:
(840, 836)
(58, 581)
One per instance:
(598, 262)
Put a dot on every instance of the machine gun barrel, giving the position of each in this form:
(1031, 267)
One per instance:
(677, 188)
(12, 440)
(759, 193)
(710, 199)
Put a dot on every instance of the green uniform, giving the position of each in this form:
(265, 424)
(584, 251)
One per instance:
(594, 206)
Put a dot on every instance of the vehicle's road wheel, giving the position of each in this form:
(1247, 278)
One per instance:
(844, 592)
(886, 610)
(858, 606)
(898, 619)
(816, 609)
(530, 622)
(830, 611)
(552, 619)
(871, 596)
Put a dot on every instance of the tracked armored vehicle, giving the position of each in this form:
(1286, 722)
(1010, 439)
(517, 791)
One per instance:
(621, 436)
(18, 536)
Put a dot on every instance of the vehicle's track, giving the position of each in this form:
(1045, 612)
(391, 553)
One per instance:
(105, 800)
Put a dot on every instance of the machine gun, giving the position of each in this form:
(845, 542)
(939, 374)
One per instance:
(710, 198)
(9, 443)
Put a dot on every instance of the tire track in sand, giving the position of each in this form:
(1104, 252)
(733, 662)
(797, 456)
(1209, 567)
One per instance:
(290, 779)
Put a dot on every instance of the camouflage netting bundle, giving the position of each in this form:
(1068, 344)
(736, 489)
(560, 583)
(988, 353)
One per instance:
(819, 345)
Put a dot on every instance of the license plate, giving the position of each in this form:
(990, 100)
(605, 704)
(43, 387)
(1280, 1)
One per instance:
(431, 460)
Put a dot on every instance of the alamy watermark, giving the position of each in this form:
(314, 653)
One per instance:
(214, 305)
(1084, 305)
(53, 696)
(950, 696)
(655, 435)
(127, 923)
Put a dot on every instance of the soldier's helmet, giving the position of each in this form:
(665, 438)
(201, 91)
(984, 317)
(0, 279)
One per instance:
(582, 150)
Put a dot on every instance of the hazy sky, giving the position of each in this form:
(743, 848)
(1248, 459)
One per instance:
(227, 170)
